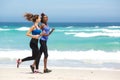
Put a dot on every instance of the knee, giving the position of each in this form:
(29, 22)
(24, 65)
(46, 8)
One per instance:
(46, 56)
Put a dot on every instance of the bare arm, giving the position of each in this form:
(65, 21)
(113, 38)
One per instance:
(44, 33)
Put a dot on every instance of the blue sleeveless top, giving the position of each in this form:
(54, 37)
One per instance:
(46, 29)
(36, 31)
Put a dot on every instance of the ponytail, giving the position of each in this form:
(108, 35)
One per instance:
(31, 17)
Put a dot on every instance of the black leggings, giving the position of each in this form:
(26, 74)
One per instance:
(35, 50)
(43, 49)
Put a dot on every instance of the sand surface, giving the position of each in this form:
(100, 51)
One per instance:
(60, 74)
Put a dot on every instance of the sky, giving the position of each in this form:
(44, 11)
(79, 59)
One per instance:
(62, 10)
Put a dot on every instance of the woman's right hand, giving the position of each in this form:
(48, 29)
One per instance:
(53, 29)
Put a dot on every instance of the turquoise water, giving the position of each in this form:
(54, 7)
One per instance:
(71, 44)
(67, 36)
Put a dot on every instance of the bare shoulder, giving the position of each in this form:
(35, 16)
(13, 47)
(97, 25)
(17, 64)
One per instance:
(32, 27)
(42, 26)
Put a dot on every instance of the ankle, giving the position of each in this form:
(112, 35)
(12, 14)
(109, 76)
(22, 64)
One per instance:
(45, 68)
(36, 71)
(33, 65)
(19, 61)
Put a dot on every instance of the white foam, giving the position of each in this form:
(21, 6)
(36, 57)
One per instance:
(71, 30)
(89, 30)
(91, 56)
(18, 29)
(111, 31)
(1, 29)
(77, 30)
(113, 26)
(22, 29)
(95, 34)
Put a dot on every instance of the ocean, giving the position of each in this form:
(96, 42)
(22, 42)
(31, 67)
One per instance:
(70, 45)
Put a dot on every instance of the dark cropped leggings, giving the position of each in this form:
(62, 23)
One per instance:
(43, 49)
(35, 50)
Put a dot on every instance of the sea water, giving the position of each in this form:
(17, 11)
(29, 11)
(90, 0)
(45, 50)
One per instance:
(70, 45)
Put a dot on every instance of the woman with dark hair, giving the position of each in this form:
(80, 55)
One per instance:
(34, 33)
(43, 42)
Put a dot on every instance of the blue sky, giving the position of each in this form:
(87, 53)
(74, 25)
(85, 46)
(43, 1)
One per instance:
(62, 10)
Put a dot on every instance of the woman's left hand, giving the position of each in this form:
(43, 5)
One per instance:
(53, 29)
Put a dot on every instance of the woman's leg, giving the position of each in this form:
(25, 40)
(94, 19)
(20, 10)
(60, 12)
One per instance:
(31, 57)
(46, 70)
(34, 54)
(39, 55)
(38, 60)
(45, 50)
(45, 63)
(34, 63)
(45, 55)
(34, 47)
(42, 49)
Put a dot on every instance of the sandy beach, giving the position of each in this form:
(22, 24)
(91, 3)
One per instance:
(60, 74)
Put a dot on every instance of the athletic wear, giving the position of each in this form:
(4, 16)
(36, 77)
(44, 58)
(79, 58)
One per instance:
(43, 47)
(35, 50)
(46, 29)
(33, 46)
(36, 31)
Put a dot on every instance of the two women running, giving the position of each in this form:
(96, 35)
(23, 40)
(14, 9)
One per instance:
(35, 32)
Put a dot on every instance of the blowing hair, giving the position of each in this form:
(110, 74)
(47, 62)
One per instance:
(31, 17)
